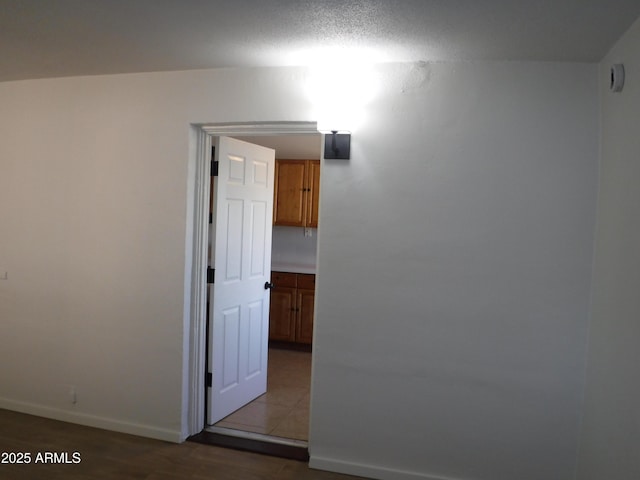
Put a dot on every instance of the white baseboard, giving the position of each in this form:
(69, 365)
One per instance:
(92, 421)
(368, 471)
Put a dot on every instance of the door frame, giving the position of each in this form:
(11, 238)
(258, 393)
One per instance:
(197, 250)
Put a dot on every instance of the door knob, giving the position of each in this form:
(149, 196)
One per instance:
(268, 285)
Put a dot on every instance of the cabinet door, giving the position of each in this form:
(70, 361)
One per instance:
(290, 193)
(282, 315)
(304, 320)
(313, 193)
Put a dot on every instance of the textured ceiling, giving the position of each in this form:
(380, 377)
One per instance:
(50, 38)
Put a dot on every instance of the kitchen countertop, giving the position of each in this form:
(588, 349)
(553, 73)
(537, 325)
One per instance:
(293, 268)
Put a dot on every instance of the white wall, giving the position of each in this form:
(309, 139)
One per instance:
(611, 433)
(93, 192)
(453, 276)
(291, 247)
(454, 259)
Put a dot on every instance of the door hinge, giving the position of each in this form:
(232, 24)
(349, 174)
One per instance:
(208, 379)
(210, 218)
(214, 168)
(211, 275)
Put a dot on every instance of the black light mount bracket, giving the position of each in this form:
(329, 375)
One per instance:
(337, 146)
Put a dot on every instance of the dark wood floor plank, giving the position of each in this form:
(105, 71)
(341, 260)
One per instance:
(109, 455)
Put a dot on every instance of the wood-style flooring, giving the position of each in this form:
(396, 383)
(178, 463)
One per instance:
(108, 455)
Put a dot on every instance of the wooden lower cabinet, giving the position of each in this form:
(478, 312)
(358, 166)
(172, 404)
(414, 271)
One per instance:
(304, 320)
(282, 319)
(291, 310)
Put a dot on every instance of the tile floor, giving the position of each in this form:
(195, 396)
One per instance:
(284, 410)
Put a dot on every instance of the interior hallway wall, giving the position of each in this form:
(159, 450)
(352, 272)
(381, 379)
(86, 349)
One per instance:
(93, 212)
(611, 433)
(454, 259)
(455, 255)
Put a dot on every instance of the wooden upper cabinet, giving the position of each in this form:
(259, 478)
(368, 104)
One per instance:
(313, 196)
(297, 184)
(289, 207)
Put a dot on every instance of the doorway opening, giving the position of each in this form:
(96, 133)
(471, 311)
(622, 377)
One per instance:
(282, 414)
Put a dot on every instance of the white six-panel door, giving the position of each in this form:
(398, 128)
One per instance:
(241, 256)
